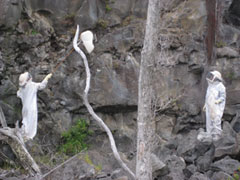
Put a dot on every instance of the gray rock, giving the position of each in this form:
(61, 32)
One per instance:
(187, 146)
(158, 167)
(87, 15)
(236, 123)
(10, 13)
(193, 109)
(164, 126)
(122, 178)
(228, 144)
(227, 165)
(189, 171)
(64, 120)
(174, 175)
(175, 163)
(204, 162)
(221, 176)
(227, 52)
(121, 8)
(199, 176)
(75, 169)
(139, 9)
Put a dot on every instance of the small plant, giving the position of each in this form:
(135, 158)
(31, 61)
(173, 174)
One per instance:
(236, 175)
(107, 6)
(74, 139)
(87, 159)
(127, 21)
(102, 23)
(231, 75)
(34, 32)
(220, 44)
(70, 16)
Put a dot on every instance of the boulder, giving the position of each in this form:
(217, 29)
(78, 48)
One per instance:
(10, 13)
(228, 144)
(227, 165)
(199, 176)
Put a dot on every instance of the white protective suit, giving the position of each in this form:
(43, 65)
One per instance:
(28, 95)
(215, 104)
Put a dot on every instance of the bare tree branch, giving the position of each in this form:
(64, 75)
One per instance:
(11, 137)
(90, 109)
(14, 138)
(2, 118)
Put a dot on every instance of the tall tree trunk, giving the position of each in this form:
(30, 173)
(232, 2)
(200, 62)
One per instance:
(146, 124)
(151, 56)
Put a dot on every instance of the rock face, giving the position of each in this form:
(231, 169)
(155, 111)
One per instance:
(35, 35)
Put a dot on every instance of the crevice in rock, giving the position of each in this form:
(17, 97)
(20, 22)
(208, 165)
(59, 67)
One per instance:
(232, 15)
(113, 109)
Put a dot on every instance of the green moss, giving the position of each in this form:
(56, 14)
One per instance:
(87, 159)
(69, 16)
(74, 140)
(108, 8)
(9, 165)
(236, 176)
(127, 20)
(220, 44)
(230, 75)
(34, 32)
(102, 23)
(107, 5)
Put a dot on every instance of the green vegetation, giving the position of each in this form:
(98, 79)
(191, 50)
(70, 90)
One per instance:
(89, 161)
(127, 20)
(70, 16)
(236, 175)
(107, 6)
(220, 44)
(230, 75)
(102, 23)
(74, 140)
(34, 32)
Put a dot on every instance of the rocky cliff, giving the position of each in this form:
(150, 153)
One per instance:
(35, 35)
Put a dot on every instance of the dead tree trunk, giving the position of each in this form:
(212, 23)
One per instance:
(91, 111)
(146, 92)
(13, 138)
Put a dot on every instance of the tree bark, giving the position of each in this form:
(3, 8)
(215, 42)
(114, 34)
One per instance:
(149, 59)
(91, 111)
(13, 138)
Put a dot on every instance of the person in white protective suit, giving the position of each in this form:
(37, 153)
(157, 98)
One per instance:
(214, 106)
(28, 94)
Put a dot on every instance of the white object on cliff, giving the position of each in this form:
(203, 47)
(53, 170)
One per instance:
(87, 39)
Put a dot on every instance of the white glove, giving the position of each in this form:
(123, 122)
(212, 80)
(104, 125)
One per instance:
(218, 101)
(204, 108)
(48, 77)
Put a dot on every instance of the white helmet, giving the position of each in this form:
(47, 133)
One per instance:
(217, 74)
(87, 39)
(23, 78)
(214, 75)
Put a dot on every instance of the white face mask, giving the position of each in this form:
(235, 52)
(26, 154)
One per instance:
(210, 77)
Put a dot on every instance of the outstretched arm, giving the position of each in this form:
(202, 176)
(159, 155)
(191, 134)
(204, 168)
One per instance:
(43, 84)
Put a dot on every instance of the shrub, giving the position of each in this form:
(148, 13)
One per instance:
(74, 140)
